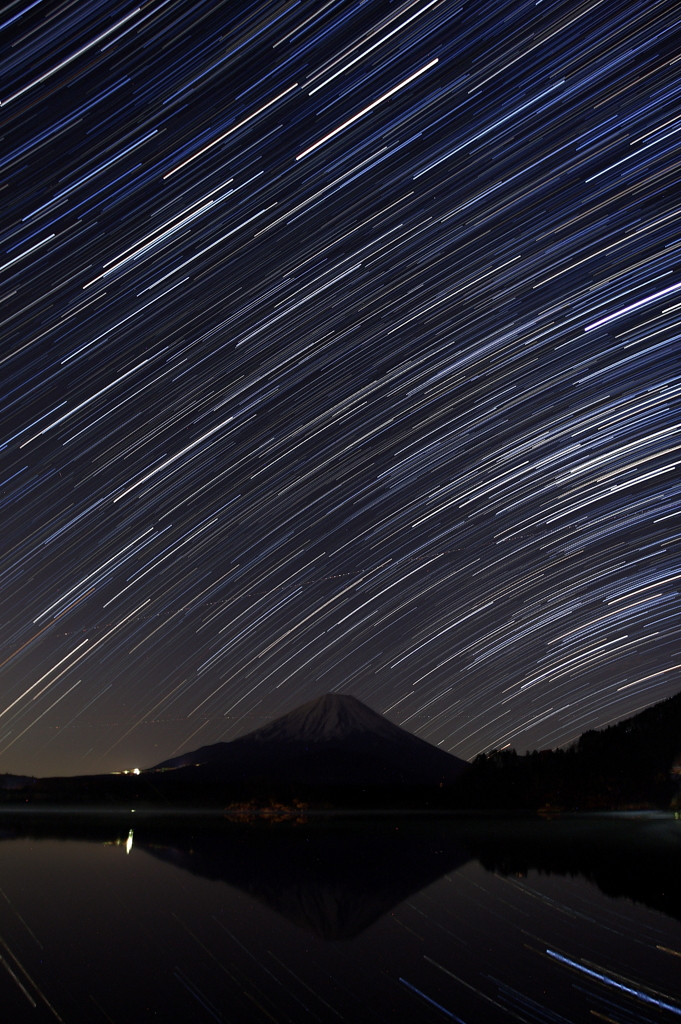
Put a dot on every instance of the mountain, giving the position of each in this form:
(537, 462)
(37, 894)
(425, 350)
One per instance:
(334, 740)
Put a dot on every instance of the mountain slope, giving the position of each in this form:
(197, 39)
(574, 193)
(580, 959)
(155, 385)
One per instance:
(332, 740)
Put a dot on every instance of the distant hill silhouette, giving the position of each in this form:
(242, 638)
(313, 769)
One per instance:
(16, 781)
(334, 740)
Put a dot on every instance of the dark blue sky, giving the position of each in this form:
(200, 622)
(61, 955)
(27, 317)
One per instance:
(339, 351)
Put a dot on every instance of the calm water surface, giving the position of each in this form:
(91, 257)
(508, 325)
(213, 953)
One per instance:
(359, 920)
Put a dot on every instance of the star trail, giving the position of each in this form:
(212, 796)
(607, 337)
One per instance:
(339, 352)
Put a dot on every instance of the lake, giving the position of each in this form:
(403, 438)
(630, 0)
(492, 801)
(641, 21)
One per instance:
(148, 918)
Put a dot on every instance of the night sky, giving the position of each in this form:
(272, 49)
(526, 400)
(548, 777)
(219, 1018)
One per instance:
(339, 353)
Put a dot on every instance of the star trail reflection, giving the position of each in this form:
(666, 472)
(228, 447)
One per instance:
(340, 352)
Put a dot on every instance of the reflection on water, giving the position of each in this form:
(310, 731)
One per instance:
(334, 880)
(384, 919)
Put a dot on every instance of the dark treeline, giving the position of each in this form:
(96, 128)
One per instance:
(632, 764)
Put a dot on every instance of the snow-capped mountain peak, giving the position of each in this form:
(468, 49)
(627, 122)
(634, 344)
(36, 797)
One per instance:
(332, 716)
